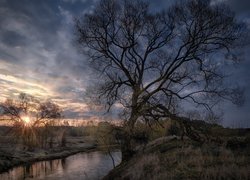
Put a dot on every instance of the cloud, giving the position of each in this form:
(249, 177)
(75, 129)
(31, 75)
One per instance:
(240, 6)
(66, 15)
(247, 22)
(74, 1)
(213, 2)
(37, 55)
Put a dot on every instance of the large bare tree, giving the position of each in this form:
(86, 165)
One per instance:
(150, 61)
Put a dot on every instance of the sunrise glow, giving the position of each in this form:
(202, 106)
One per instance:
(26, 120)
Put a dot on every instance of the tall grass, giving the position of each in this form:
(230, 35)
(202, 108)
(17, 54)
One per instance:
(190, 162)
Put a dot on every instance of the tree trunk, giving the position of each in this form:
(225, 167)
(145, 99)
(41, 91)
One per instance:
(127, 146)
(127, 143)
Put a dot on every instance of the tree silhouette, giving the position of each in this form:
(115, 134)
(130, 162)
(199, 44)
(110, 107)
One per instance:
(39, 114)
(150, 61)
(15, 110)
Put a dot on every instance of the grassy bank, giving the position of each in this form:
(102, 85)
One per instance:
(173, 158)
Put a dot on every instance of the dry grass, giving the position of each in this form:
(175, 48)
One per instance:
(144, 165)
(199, 163)
(188, 161)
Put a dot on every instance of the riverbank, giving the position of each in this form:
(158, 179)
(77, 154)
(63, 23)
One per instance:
(12, 155)
(65, 141)
(173, 158)
(83, 165)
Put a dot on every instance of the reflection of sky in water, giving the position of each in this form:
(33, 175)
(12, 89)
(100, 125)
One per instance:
(93, 165)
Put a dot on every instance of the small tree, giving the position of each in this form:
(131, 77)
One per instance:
(150, 61)
(28, 114)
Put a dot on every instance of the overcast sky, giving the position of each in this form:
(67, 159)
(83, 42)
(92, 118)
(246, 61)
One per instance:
(37, 55)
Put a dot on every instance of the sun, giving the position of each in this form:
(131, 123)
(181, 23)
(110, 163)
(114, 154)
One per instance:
(26, 119)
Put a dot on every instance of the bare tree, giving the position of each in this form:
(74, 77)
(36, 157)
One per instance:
(27, 113)
(15, 110)
(151, 61)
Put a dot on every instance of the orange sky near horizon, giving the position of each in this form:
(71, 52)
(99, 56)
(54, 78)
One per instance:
(11, 85)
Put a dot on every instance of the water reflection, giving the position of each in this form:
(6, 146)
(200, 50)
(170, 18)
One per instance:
(93, 165)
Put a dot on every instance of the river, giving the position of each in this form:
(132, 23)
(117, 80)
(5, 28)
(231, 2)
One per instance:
(89, 166)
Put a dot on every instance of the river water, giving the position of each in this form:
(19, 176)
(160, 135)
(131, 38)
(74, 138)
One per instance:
(89, 166)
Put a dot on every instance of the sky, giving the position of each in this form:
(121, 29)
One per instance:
(38, 55)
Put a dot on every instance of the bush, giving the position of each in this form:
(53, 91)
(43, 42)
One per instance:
(174, 130)
(76, 131)
(236, 143)
(105, 134)
(247, 140)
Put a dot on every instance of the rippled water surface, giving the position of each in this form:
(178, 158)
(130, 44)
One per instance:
(93, 165)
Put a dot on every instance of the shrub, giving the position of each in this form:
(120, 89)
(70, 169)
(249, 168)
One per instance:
(174, 129)
(236, 143)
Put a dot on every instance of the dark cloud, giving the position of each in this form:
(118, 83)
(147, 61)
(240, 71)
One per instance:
(36, 50)
(239, 6)
(12, 38)
(37, 54)
(5, 56)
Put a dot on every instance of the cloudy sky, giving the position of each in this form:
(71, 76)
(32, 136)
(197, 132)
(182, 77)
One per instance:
(38, 56)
